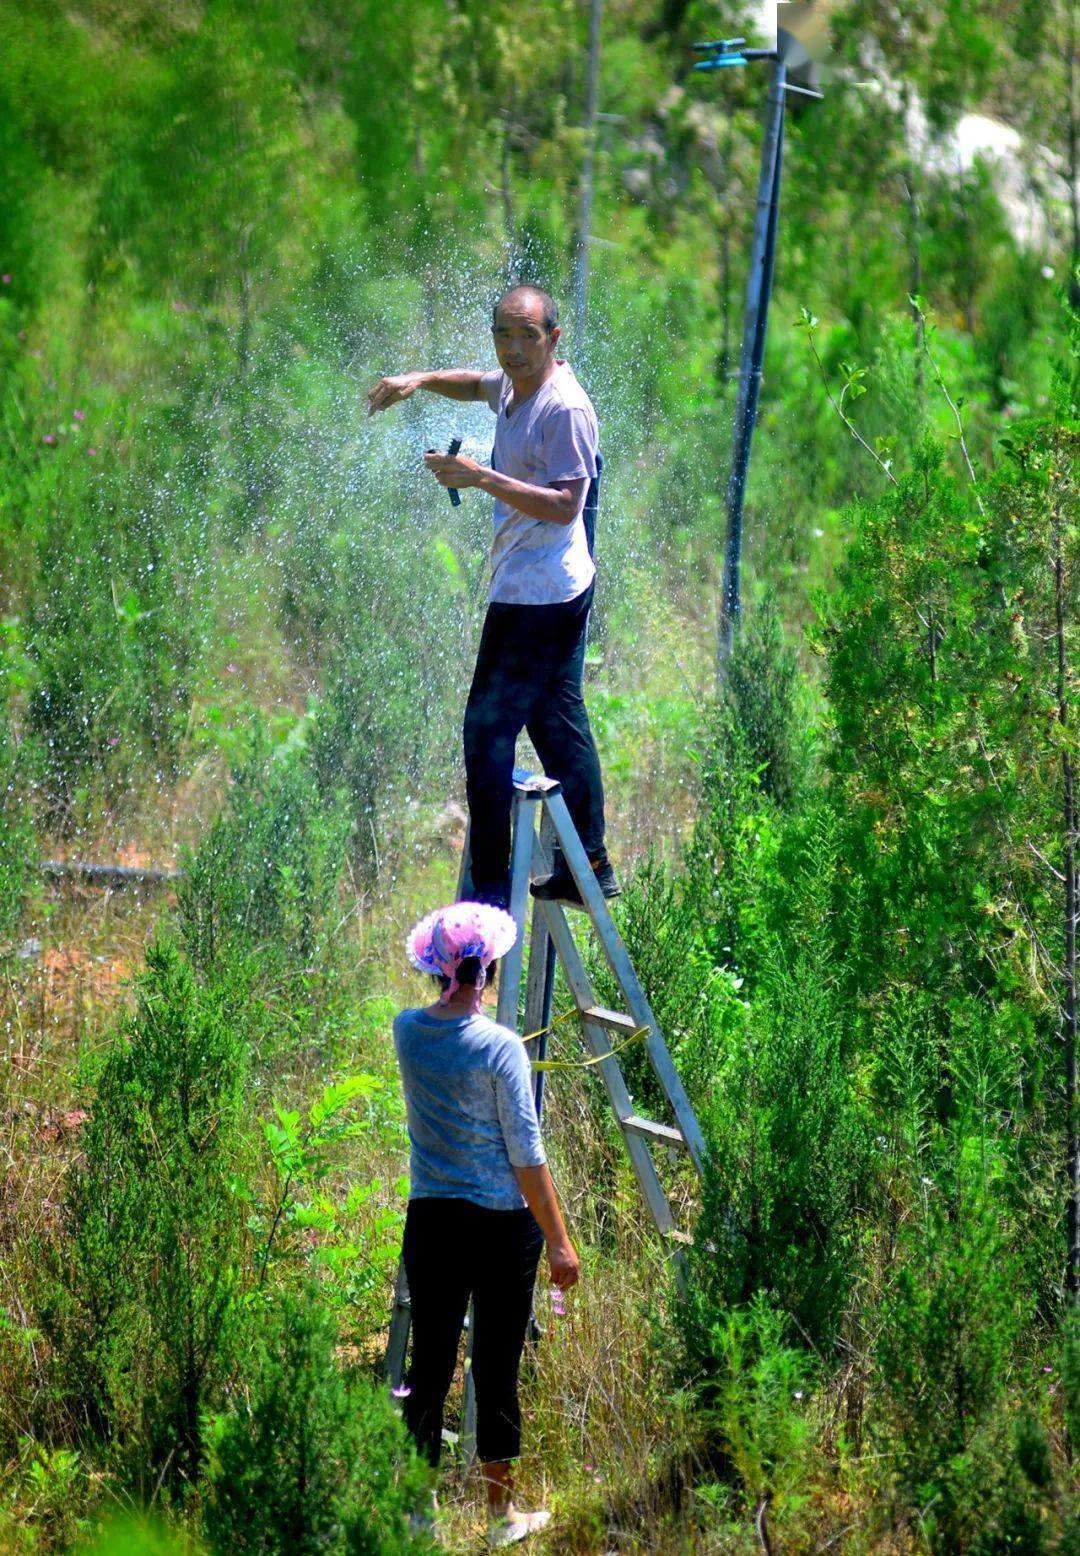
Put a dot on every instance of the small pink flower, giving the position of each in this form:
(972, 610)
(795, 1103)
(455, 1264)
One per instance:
(1048, 1369)
(230, 669)
(402, 1391)
(79, 415)
(6, 279)
(558, 1302)
(114, 740)
(92, 452)
(49, 437)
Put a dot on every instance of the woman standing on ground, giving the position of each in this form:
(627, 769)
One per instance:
(481, 1202)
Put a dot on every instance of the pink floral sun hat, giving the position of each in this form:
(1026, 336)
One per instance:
(442, 941)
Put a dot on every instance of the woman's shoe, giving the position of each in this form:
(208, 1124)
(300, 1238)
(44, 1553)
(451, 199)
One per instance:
(512, 1527)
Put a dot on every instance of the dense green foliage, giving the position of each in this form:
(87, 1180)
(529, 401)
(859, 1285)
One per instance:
(157, 1226)
(311, 1462)
(236, 613)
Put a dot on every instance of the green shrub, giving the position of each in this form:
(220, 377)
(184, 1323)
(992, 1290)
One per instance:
(950, 1323)
(786, 1157)
(761, 700)
(47, 1490)
(387, 728)
(155, 1226)
(265, 876)
(125, 1536)
(18, 843)
(754, 762)
(754, 1395)
(316, 1217)
(787, 1143)
(311, 1460)
(1070, 1376)
(114, 632)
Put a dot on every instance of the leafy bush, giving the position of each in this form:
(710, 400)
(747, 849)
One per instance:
(155, 1226)
(753, 1392)
(779, 1208)
(312, 1460)
(136, 1537)
(265, 876)
(46, 1495)
(388, 723)
(1070, 1375)
(950, 1325)
(114, 631)
(761, 701)
(754, 763)
(787, 1143)
(347, 1233)
(18, 844)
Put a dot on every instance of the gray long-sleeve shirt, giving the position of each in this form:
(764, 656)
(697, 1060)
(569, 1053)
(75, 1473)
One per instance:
(470, 1109)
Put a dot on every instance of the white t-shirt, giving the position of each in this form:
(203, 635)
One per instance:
(552, 436)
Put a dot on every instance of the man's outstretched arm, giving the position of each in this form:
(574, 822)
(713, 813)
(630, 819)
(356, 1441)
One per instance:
(454, 383)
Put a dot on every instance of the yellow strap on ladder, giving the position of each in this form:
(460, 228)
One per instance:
(579, 1064)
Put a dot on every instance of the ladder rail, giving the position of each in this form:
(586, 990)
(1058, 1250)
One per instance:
(539, 987)
(652, 1189)
(625, 976)
(523, 838)
(397, 1343)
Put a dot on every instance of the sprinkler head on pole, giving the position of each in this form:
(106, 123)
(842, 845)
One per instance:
(721, 53)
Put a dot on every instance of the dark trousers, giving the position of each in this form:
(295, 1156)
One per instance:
(454, 1250)
(529, 676)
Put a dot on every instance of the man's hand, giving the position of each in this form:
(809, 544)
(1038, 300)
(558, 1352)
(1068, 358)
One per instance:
(389, 391)
(456, 470)
(564, 1262)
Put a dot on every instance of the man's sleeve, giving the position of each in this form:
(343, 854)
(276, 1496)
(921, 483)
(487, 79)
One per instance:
(491, 388)
(517, 1110)
(569, 444)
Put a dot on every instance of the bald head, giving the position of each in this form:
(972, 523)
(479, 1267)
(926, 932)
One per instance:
(531, 300)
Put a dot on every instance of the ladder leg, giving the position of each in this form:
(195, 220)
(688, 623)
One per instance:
(539, 987)
(626, 977)
(545, 1022)
(467, 1440)
(521, 850)
(652, 1189)
(400, 1324)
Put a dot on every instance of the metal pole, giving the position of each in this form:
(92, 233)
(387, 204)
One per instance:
(758, 291)
(584, 227)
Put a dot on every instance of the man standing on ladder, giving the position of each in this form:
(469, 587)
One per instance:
(532, 650)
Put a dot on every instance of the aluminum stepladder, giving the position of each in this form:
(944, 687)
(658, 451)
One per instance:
(539, 818)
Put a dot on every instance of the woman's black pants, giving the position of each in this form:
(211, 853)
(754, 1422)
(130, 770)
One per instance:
(529, 676)
(454, 1250)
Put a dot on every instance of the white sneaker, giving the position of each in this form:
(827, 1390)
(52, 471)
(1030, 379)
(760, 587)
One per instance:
(514, 1526)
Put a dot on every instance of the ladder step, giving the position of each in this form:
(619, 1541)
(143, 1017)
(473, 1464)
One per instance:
(663, 1133)
(614, 1019)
